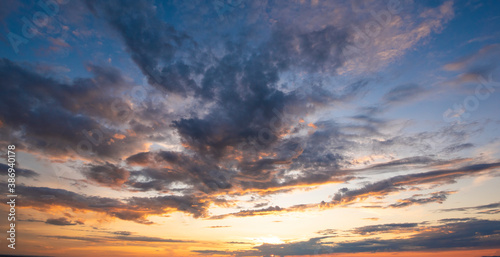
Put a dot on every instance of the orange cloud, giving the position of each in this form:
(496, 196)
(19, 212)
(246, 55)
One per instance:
(312, 125)
(119, 136)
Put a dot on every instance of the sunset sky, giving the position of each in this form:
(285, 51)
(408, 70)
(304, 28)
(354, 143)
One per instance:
(252, 128)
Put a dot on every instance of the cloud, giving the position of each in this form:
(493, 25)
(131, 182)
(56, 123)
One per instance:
(245, 135)
(254, 109)
(122, 238)
(19, 172)
(121, 233)
(150, 41)
(492, 208)
(417, 199)
(457, 148)
(256, 96)
(386, 228)
(381, 188)
(415, 161)
(398, 183)
(486, 52)
(483, 63)
(248, 136)
(454, 220)
(379, 43)
(211, 252)
(248, 115)
(150, 239)
(219, 227)
(163, 169)
(75, 111)
(79, 238)
(327, 232)
(63, 221)
(403, 93)
(133, 209)
(471, 234)
(242, 130)
(107, 174)
(257, 212)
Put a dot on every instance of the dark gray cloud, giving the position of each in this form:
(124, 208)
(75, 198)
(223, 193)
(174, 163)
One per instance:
(404, 161)
(403, 93)
(121, 233)
(386, 228)
(492, 208)
(416, 161)
(457, 148)
(418, 199)
(454, 220)
(260, 205)
(19, 172)
(63, 221)
(107, 174)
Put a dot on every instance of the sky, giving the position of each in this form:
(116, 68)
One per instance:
(251, 128)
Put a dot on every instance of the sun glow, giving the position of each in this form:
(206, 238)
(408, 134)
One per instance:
(269, 240)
